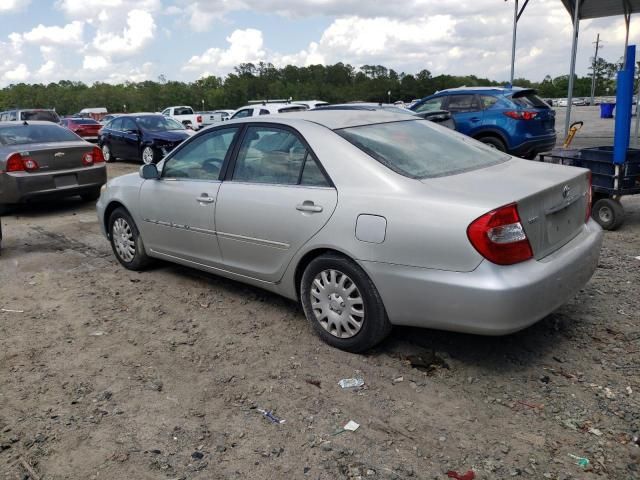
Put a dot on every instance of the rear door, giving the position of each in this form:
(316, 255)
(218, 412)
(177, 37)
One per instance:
(130, 139)
(466, 112)
(178, 209)
(113, 137)
(275, 198)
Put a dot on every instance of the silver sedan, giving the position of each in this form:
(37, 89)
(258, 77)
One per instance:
(369, 219)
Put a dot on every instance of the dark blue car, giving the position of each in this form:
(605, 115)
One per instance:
(514, 120)
(146, 137)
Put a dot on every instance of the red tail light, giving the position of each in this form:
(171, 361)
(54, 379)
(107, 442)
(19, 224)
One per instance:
(499, 236)
(17, 163)
(92, 157)
(199, 119)
(521, 114)
(589, 198)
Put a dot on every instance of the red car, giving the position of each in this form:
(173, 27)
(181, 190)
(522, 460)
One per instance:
(87, 128)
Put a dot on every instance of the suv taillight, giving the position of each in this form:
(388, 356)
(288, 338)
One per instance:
(199, 119)
(17, 163)
(589, 198)
(499, 236)
(521, 114)
(92, 157)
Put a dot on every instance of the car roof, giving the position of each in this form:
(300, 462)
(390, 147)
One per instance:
(332, 119)
(29, 122)
(483, 89)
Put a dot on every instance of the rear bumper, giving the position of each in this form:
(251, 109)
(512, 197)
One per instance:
(537, 145)
(21, 186)
(492, 299)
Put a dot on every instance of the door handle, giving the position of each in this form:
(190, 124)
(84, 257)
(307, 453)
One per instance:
(204, 198)
(308, 206)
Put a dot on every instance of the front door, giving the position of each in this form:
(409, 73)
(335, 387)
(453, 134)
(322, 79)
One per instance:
(178, 209)
(276, 199)
(130, 139)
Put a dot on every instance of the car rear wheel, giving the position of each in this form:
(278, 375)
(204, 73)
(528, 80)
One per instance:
(106, 153)
(342, 304)
(126, 241)
(148, 155)
(608, 213)
(494, 142)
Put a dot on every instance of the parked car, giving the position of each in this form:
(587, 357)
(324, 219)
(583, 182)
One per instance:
(87, 128)
(392, 221)
(266, 108)
(441, 117)
(145, 137)
(563, 102)
(215, 116)
(579, 102)
(29, 114)
(184, 115)
(513, 120)
(41, 159)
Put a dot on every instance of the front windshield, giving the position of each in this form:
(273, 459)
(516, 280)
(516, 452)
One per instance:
(159, 123)
(420, 149)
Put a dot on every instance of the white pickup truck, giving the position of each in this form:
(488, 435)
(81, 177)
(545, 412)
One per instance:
(184, 115)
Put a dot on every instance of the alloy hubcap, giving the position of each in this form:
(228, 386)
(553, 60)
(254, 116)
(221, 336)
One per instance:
(337, 303)
(106, 153)
(147, 155)
(123, 240)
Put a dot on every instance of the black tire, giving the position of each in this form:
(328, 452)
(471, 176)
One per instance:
(494, 142)
(91, 196)
(139, 260)
(107, 153)
(148, 150)
(374, 325)
(608, 213)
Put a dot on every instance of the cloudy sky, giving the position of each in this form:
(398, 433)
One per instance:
(119, 40)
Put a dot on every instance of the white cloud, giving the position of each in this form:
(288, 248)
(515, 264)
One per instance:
(70, 34)
(19, 74)
(46, 69)
(131, 74)
(244, 46)
(12, 6)
(95, 62)
(136, 35)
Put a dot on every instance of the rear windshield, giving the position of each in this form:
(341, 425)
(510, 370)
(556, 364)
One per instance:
(299, 108)
(528, 100)
(45, 115)
(183, 111)
(84, 121)
(25, 134)
(420, 149)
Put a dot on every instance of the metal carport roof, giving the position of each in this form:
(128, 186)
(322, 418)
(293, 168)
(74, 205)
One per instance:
(602, 8)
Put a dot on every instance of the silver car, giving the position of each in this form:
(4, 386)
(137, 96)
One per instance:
(369, 219)
(41, 159)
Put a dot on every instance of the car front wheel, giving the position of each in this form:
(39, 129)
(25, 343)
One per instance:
(342, 304)
(148, 155)
(106, 153)
(126, 241)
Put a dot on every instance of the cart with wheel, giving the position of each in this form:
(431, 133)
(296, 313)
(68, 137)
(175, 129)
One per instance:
(610, 182)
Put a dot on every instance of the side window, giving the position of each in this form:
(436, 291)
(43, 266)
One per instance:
(243, 113)
(202, 158)
(487, 101)
(264, 112)
(13, 116)
(312, 175)
(116, 124)
(463, 103)
(269, 155)
(167, 112)
(431, 105)
(128, 124)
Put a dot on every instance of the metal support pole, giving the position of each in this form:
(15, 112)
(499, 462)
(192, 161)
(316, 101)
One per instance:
(513, 41)
(574, 48)
(593, 76)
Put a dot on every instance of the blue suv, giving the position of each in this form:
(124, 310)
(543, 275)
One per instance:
(513, 120)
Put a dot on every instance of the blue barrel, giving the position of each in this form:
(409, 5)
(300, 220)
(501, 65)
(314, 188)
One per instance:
(606, 110)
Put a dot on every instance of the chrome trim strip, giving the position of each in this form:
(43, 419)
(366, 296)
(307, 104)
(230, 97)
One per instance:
(564, 204)
(257, 241)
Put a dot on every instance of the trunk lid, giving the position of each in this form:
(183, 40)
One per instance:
(551, 199)
(57, 156)
(545, 119)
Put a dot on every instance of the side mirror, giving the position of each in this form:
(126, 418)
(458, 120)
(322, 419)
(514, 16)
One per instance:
(149, 171)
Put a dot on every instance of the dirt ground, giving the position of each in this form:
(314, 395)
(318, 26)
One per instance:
(111, 374)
